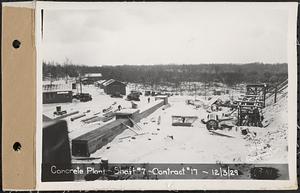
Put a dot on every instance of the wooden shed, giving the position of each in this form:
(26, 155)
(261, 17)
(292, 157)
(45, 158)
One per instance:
(57, 93)
(114, 87)
(91, 78)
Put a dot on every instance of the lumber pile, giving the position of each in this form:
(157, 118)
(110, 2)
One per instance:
(90, 142)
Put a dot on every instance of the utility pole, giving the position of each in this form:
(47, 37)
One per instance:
(205, 90)
(275, 94)
(195, 91)
(80, 84)
(189, 87)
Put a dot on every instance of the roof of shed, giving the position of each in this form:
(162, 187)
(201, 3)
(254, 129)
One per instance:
(52, 87)
(93, 75)
(110, 81)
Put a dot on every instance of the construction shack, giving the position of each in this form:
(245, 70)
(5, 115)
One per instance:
(91, 78)
(57, 93)
(114, 87)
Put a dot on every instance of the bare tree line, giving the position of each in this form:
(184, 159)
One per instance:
(175, 74)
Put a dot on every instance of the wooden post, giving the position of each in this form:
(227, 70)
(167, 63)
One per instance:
(195, 91)
(239, 119)
(264, 95)
(80, 84)
(205, 90)
(275, 95)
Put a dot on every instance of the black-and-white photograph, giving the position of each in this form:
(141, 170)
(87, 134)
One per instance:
(165, 91)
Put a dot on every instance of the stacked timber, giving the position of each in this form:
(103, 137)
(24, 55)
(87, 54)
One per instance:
(66, 115)
(90, 142)
(77, 117)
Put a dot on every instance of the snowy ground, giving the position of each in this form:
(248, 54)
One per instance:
(165, 143)
(270, 144)
(100, 101)
(161, 142)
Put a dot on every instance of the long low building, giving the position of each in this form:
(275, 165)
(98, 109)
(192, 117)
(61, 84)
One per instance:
(57, 93)
(90, 142)
(91, 78)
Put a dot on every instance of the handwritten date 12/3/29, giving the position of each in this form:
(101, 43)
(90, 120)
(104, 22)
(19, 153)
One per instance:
(224, 172)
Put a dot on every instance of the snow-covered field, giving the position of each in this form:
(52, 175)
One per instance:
(158, 141)
(164, 143)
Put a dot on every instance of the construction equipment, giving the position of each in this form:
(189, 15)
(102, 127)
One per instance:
(134, 95)
(256, 93)
(213, 122)
(250, 105)
(59, 111)
(116, 95)
(183, 120)
(83, 97)
(249, 115)
(147, 93)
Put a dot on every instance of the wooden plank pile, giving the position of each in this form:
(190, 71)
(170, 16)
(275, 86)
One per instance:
(90, 142)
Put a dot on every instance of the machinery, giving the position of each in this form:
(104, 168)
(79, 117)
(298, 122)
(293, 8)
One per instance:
(250, 115)
(116, 95)
(59, 111)
(83, 97)
(214, 122)
(179, 120)
(249, 110)
(134, 96)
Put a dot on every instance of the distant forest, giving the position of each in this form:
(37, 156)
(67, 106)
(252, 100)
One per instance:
(229, 74)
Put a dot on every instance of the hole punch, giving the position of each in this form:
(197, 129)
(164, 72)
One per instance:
(16, 44)
(17, 146)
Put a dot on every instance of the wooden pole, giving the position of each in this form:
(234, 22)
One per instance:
(205, 90)
(195, 91)
(264, 93)
(80, 82)
(239, 116)
(275, 95)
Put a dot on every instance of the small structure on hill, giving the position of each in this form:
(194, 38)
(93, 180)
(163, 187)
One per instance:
(256, 93)
(250, 106)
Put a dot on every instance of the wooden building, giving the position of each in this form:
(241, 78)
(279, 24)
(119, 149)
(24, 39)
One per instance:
(57, 93)
(114, 87)
(91, 78)
(100, 83)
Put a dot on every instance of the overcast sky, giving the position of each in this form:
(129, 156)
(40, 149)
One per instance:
(165, 34)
